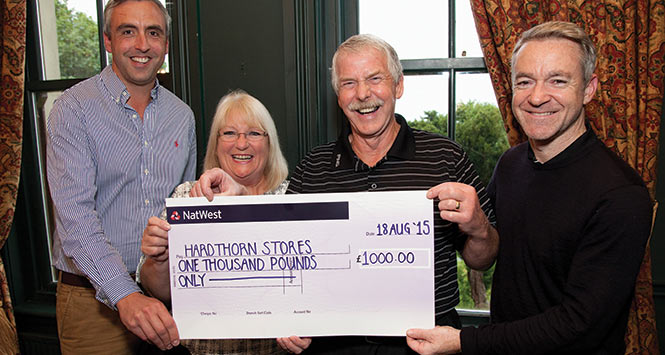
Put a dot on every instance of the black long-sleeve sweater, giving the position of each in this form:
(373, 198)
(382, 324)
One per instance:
(572, 237)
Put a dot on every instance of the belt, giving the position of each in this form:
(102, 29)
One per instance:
(70, 279)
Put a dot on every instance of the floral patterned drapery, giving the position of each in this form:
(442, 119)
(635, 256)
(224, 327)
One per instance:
(625, 114)
(12, 64)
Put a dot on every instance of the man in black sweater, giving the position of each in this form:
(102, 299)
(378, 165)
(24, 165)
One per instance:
(573, 219)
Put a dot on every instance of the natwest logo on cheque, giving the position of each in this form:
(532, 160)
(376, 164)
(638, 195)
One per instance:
(196, 215)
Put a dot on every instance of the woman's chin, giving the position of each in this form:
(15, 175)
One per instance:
(246, 180)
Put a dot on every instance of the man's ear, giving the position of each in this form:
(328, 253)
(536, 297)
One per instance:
(107, 43)
(399, 89)
(590, 89)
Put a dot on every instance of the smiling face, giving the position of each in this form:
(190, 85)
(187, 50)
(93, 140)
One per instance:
(138, 43)
(549, 93)
(367, 93)
(245, 160)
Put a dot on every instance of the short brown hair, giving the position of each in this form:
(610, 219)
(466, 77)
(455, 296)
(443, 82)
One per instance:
(108, 11)
(561, 30)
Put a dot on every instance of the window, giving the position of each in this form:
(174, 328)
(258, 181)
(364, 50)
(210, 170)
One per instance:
(67, 47)
(446, 90)
(70, 44)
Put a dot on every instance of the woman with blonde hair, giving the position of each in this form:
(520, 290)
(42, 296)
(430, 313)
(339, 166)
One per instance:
(235, 111)
(244, 143)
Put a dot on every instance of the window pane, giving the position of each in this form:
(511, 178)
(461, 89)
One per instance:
(474, 287)
(416, 28)
(165, 66)
(424, 93)
(479, 130)
(474, 86)
(466, 36)
(479, 127)
(43, 102)
(69, 38)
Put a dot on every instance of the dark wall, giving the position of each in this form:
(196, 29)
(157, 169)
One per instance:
(278, 51)
(243, 46)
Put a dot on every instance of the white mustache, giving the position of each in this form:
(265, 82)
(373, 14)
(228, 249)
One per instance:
(355, 106)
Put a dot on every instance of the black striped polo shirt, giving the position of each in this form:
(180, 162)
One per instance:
(417, 160)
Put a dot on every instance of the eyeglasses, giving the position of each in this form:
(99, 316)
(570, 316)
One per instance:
(252, 136)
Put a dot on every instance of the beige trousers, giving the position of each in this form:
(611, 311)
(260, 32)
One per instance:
(86, 326)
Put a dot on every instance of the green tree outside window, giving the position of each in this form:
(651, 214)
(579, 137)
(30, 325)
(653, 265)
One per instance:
(78, 42)
(479, 130)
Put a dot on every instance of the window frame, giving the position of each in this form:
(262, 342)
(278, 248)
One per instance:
(451, 65)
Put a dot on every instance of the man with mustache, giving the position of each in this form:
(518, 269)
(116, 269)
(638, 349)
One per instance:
(118, 144)
(377, 151)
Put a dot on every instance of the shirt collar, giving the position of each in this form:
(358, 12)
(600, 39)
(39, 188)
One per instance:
(403, 147)
(117, 88)
(571, 153)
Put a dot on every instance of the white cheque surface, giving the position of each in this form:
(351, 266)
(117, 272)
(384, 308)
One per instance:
(308, 265)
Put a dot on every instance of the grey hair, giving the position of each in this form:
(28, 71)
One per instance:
(363, 41)
(560, 30)
(108, 11)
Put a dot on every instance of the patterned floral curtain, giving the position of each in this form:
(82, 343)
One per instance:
(630, 38)
(12, 60)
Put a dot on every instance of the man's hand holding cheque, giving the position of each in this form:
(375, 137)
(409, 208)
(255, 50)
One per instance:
(459, 204)
(155, 240)
(436, 341)
(216, 182)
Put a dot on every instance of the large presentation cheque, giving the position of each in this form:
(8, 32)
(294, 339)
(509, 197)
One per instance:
(308, 265)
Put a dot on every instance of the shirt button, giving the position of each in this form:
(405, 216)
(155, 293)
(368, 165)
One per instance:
(124, 93)
(145, 143)
(147, 202)
(134, 116)
(373, 186)
(145, 171)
